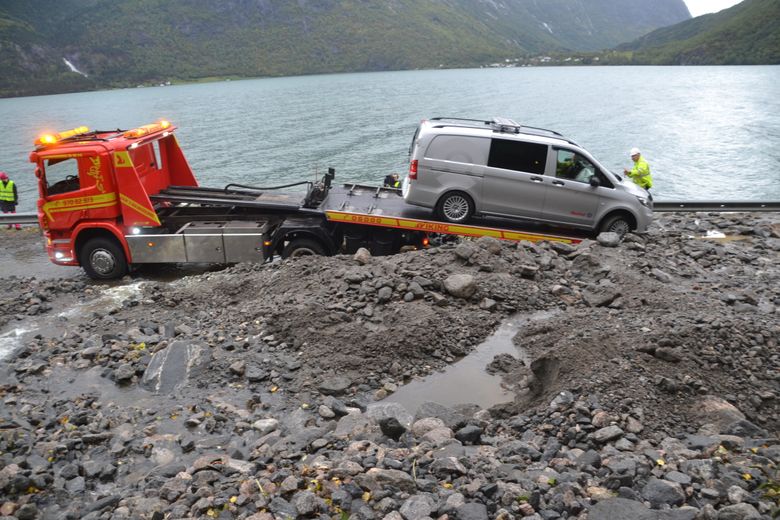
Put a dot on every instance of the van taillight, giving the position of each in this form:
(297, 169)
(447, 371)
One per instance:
(413, 170)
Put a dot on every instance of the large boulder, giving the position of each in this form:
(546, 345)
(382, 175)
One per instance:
(171, 367)
(461, 285)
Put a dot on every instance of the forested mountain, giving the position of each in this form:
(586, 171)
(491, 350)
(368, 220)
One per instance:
(748, 33)
(118, 43)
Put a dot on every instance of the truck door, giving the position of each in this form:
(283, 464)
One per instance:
(74, 187)
(514, 182)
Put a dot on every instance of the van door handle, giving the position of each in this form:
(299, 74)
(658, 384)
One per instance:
(559, 183)
(536, 179)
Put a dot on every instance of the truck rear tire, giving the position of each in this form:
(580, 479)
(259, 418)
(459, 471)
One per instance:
(302, 247)
(456, 207)
(103, 259)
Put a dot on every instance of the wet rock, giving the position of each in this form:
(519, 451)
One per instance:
(607, 434)
(380, 411)
(717, 411)
(661, 276)
(738, 512)
(472, 511)
(337, 385)
(376, 479)
(608, 239)
(171, 367)
(362, 256)
(417, 507)
(306, 503)
(384, 295)
(673, 355)
(451, 418)
(461, 285)
(616, 508)
(469, 434)
(124, 373)
(391, 427)
(662, 492)
(265, 426)
(447, 466)
(238, 368)
(465, 250)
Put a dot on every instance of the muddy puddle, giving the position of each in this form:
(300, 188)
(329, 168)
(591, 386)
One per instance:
(467, 381)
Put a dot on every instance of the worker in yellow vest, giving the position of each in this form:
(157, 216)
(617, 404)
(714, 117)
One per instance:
(640, 173)
(9, 198)
(392, 181)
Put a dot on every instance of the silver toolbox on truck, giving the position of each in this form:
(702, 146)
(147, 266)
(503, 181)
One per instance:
(202, 241)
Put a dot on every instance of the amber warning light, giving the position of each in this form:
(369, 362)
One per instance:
(54, 138)
(147, 129)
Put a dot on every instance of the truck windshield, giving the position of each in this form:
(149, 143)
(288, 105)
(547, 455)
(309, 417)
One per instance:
(61, 176)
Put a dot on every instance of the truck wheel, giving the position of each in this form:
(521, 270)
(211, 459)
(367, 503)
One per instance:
(615, 224)
(456, 207)
(103, 259)
(302, 247)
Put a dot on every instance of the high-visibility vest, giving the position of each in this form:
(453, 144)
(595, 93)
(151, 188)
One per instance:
(7, 191)
(640, 174)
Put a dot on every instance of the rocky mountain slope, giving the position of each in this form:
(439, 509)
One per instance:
(746, 34)
(138, 41)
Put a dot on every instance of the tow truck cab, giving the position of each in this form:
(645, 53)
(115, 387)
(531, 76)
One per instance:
(95, 187)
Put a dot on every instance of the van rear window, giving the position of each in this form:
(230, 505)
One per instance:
(459, 149)
(518, 155)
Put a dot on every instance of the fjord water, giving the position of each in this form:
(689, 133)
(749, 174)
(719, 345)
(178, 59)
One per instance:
(709, 133)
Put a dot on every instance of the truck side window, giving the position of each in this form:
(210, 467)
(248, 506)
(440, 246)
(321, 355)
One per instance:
(62, 176)
(518, 155)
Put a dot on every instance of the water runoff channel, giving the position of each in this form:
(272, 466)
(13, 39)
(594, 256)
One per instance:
(467, 381)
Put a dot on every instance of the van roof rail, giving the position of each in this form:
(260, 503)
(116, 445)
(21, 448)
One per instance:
(502, 125)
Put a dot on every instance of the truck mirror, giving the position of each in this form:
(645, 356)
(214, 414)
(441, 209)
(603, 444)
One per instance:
(595, 182)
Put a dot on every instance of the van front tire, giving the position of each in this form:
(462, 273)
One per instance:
(456, 207)
(616, 224)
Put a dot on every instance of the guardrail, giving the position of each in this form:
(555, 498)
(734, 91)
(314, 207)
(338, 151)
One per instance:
(18, 218)
(670, 206)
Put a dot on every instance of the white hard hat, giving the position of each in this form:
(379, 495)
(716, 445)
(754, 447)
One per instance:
(635, 151)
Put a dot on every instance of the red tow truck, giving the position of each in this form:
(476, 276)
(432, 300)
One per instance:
(113, 199)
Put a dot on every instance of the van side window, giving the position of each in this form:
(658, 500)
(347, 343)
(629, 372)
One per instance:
(518, 155)
(459, 149)
(573, 166)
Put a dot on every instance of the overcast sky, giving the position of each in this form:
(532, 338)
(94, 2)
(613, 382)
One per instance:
(700, 7)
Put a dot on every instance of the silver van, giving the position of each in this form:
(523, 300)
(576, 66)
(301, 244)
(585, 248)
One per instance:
(465, 167)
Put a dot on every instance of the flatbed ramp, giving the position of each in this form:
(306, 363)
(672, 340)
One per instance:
(385, 207)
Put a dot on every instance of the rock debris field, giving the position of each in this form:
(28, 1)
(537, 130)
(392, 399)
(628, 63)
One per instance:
(649, 391)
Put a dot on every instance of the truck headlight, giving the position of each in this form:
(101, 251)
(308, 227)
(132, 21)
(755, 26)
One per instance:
(643, 201)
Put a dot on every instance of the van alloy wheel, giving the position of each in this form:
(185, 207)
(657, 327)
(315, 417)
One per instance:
(616, 224)
(456, 207)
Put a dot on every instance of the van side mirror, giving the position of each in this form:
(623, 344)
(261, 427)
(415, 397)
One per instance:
(595, 182)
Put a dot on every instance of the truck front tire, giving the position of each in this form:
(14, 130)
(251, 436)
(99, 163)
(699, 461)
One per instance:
(103, 259)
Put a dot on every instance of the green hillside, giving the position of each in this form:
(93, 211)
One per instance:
(746, 34)
(150, 41)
